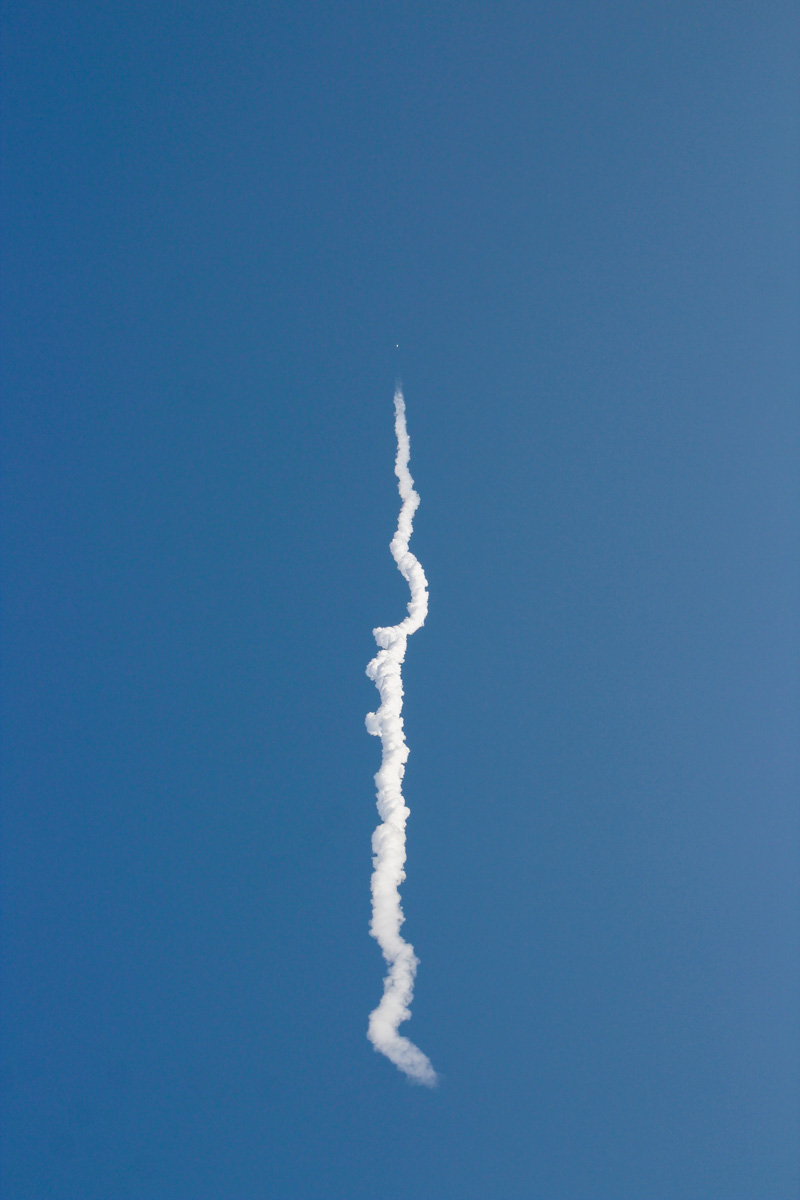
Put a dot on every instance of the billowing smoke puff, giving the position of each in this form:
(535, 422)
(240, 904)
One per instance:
(389, 839)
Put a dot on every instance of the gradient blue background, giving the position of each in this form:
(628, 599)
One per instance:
(580, 223)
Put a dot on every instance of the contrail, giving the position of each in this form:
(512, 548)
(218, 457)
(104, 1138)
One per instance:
(389, 839)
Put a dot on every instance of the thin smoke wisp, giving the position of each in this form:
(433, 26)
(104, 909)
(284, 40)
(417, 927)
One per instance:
(389, 839)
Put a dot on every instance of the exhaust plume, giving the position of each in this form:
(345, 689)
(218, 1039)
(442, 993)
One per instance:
(389, 839)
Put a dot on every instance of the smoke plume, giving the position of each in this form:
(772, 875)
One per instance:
(389, 839)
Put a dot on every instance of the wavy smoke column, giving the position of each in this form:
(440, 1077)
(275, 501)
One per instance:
(389, 839)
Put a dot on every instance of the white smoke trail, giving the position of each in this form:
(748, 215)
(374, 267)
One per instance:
(389, 839)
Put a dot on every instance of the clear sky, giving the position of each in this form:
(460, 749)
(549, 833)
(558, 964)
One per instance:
(581, 224)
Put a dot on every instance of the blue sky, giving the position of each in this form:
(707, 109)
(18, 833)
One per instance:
(580, 224)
